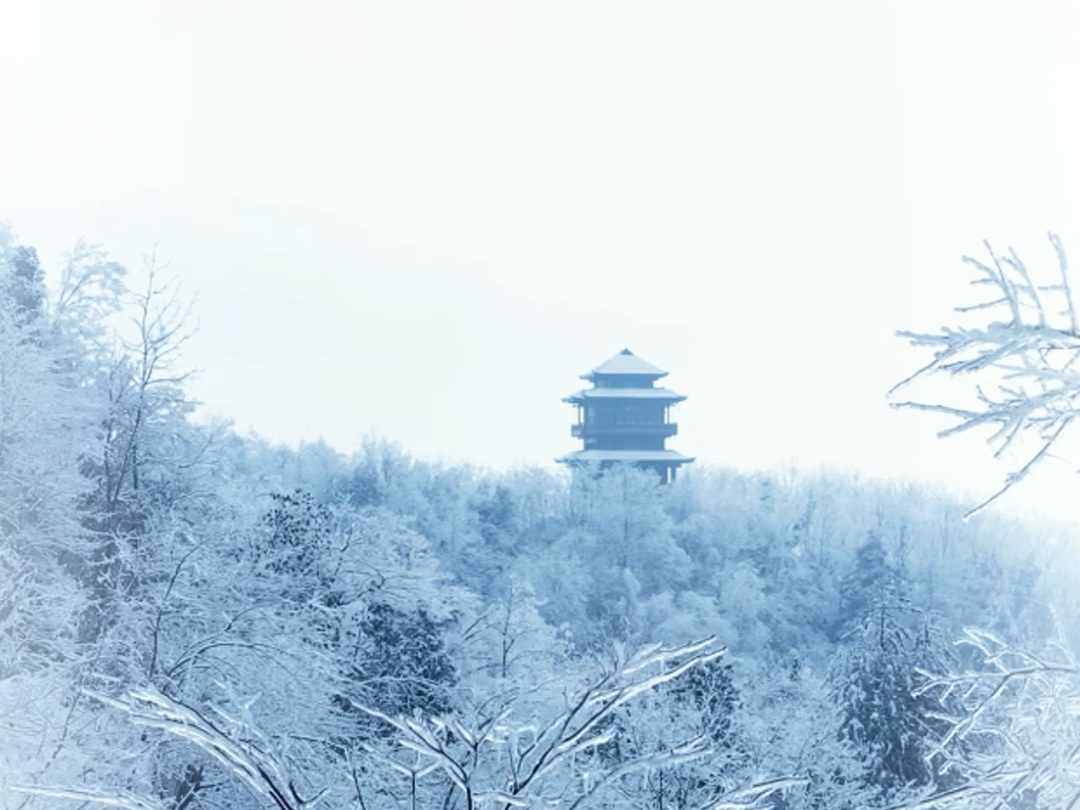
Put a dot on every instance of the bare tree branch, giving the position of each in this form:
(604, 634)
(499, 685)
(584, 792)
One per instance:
(1029, 360)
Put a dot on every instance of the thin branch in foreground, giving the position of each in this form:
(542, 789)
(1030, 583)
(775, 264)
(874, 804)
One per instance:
(1031, 362)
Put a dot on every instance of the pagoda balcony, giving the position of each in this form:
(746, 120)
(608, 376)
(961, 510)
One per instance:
(598, 430)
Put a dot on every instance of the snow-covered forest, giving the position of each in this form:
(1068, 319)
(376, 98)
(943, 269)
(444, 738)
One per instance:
(193, 618)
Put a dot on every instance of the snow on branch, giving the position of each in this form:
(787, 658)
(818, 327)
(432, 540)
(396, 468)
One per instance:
(508, 762)
(248, 755)
(122, 799)
(1030, 357)
(1019, 733)
(492, 759)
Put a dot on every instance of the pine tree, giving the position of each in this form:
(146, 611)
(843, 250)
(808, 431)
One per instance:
(876, 682)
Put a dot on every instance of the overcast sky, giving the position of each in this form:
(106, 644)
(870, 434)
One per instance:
(424, 220)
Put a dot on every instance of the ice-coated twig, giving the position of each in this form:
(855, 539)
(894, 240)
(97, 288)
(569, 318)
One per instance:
(1031, 360)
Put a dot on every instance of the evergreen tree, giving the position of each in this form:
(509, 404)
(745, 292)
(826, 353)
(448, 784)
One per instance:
(876, 682)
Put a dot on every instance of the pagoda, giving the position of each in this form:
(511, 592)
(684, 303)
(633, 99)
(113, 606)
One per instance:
(624, 418)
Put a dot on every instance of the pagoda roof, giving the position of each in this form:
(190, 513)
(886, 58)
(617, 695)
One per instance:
(628, 456)
(625, 363)
(662, 394)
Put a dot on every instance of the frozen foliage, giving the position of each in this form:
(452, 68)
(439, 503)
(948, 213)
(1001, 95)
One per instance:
(498, 757)
(190, 618)
(1027, 362)
(1011, 736)
(892, 724)
(1006, 720)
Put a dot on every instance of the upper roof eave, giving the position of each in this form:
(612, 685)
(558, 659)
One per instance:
(625, 364)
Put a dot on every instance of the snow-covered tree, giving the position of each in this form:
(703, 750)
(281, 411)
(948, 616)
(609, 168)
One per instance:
(883, 714)
(144, 440)
(44, 428)
(789, 724)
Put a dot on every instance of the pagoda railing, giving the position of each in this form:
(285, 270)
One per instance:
(666, 429)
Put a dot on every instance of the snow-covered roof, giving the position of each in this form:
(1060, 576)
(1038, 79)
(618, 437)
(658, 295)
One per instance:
(625, 363)
(629, 456)
(662, 394)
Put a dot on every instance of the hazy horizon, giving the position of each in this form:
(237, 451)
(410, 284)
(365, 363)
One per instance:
(426, 220)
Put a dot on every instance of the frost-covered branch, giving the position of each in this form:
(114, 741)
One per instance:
(121, 798)
(510, 761)
(1029, 360)
(493, 759)
(249, 755)
(1018, 738)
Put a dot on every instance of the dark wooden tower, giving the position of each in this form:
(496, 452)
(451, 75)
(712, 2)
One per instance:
(624, 417)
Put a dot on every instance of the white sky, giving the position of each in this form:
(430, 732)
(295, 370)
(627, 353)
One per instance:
(425, 219)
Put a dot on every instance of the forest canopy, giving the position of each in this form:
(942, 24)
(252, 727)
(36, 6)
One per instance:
(190, 617)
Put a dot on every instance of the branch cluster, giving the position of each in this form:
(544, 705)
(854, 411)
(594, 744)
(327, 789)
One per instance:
(1017, 740)
(1031, 358)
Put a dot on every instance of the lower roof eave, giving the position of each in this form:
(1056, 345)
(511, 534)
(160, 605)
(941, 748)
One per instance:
(667, 457)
